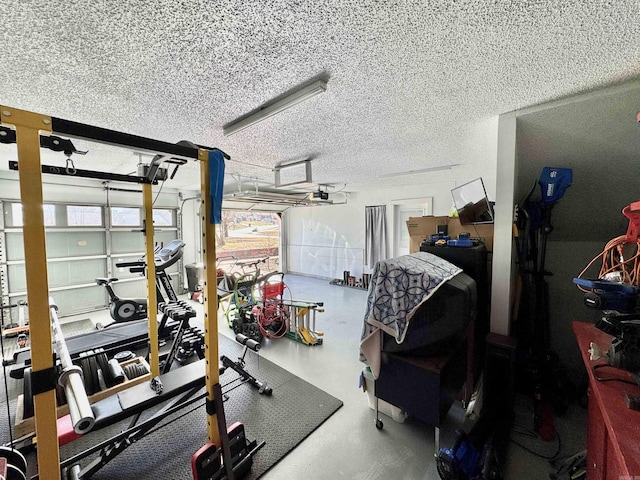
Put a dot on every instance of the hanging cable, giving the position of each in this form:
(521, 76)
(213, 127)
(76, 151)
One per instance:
(618, 256)
(158, 194)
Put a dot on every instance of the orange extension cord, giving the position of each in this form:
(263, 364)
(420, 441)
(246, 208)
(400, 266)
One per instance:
(616, 259)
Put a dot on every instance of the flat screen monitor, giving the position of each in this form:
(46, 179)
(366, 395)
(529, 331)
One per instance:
(472, 203)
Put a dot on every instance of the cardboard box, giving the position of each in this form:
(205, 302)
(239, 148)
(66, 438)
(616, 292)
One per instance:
(421, 228)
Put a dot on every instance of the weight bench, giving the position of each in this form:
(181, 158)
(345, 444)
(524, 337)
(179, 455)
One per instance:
(179, 387)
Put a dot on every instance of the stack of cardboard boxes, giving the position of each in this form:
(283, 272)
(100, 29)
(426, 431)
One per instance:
(421, 228)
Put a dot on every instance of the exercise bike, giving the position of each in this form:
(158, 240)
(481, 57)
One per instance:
(130, 309)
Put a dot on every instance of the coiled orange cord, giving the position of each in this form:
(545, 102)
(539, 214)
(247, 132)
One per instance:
(616, 259)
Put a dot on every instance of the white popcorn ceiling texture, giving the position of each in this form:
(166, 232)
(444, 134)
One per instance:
(407, 79)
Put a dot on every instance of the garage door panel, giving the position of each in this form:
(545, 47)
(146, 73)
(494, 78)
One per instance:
(15, 247)
(61, 274)
(76, 272)
(127, 242)
(17, 277)
(79, 300)
(75, 244)
(133, 242)
(60, 244)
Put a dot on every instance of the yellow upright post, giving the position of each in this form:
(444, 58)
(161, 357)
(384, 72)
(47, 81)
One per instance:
(152, 307)
(28, 126)
(210, 292)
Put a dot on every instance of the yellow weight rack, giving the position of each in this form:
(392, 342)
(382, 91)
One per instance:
(31, 130)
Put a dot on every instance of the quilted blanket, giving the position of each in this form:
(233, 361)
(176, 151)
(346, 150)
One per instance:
(398, 287)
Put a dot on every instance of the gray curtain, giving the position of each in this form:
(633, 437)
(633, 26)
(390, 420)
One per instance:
(375, 244)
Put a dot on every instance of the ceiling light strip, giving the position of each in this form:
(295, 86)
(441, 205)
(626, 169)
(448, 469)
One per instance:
(317, 87)
(417, 172)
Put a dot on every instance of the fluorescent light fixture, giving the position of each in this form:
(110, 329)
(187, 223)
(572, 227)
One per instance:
(416, 172)
(293, 173)
(270, 109)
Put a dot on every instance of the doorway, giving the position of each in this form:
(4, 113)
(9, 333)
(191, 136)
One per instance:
(402, 211)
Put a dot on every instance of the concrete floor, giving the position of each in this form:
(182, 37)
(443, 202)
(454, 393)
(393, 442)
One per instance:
(348, 445)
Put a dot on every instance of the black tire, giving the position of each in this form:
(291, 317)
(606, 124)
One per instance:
(237, 326)
(252, 331)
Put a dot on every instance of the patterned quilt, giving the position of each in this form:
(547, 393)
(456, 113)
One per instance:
(398, 287)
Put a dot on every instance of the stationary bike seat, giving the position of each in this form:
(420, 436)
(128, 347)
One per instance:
(105, 281)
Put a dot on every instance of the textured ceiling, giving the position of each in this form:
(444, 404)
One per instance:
(407, 79)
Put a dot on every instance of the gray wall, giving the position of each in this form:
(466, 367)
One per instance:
(597, 135)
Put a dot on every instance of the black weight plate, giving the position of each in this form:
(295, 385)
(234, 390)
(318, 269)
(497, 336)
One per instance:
(131, 371)
(61, 398)
(124, 355)
(15, 458)
(103, 363)
(27, 395)
(95, 380)
(14, 473)
(86, 373)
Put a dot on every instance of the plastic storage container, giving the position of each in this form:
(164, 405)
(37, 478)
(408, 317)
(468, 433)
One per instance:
(367, 384)
(195, 277)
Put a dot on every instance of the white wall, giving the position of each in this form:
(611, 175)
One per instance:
(323, 241)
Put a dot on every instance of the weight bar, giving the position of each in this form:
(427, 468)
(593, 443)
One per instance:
(82, 416)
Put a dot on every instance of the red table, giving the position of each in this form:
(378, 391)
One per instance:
(613, 443)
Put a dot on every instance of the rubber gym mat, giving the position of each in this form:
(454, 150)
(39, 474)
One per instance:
(282, 420)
